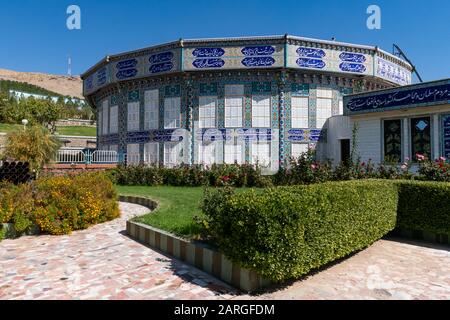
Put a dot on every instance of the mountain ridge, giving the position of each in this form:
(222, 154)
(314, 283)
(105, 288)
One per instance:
(63, 85)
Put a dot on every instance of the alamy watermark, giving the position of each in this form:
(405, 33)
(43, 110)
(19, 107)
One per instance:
(73, 22)
(374, 19)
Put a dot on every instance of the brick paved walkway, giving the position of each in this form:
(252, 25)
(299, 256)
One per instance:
(98, 263)
(389, 269)
(103, 263)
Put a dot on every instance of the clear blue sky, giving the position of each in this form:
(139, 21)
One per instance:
(35, 38)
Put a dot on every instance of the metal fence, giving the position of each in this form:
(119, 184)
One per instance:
(70, 156)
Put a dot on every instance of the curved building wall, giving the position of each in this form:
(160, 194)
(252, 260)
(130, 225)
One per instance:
(218, 101)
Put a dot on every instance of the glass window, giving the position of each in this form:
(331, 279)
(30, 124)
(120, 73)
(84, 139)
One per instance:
(260, 153)
(151, 153)
(323, 111)
(260, 111)
(172, 113)
(392, 140)
(421, 136)
(325, 93)
(151, 116)
(207, 153)
(172, 152)
(100, 120)
(299, 112)
(207, 112)
(105, 109)
(234, 97)
(297, 149)
(133, 156)
(341, 106)
(234, 153)
(113, 120)
(133, 116)
(324, 106)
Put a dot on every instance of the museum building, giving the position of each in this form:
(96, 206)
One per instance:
(233, 100)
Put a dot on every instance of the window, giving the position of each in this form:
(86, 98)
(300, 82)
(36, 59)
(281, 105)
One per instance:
(299, 112)
(324, 106)
(207, 153)
(260, 111)
(260, 153)
(100, 121)
(133, 156)
(151, 153)
(234, 96)
(133, 116)
(298, 149)
(172, 152)
(341, 106)
(392, 140)
(207, 112)
(420, 136)
(172, 113)
(234, 153)
(113, 120)
(151, 115)
(114, 147)
(105, 117)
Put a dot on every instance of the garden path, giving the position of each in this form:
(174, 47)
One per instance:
(101, 262)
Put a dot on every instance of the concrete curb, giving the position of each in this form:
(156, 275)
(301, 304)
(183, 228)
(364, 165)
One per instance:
(194, 253)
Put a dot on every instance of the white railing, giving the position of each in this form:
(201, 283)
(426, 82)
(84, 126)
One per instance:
(104, 156)
(70, 156)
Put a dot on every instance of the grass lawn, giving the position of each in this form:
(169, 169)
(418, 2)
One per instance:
(68, 131)
(5, 127)
(176, 207)
(77, 131)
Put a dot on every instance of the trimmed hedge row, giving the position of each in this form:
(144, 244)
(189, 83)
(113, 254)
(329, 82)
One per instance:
(286, 232)
(424, 206)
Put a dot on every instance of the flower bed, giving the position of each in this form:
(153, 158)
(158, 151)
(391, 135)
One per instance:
(217, 175)
(59, 205)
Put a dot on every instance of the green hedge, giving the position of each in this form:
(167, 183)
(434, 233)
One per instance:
(424, 206)
(286, 232)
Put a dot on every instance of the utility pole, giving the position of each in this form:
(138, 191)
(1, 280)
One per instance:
(69, 69)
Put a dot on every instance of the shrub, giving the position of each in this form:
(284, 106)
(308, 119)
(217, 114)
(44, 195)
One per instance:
(245, 175)
(58, 205)
(34, 145)
(285, 232)
(438, 170)
(304, 170)
(424, 206)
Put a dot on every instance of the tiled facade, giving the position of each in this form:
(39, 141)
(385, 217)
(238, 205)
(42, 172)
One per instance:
(195, 69)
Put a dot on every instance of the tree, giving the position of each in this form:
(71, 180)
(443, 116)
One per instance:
(34, 145)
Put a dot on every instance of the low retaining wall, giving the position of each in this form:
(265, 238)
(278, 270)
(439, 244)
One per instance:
(194, 253)
(60, 169)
